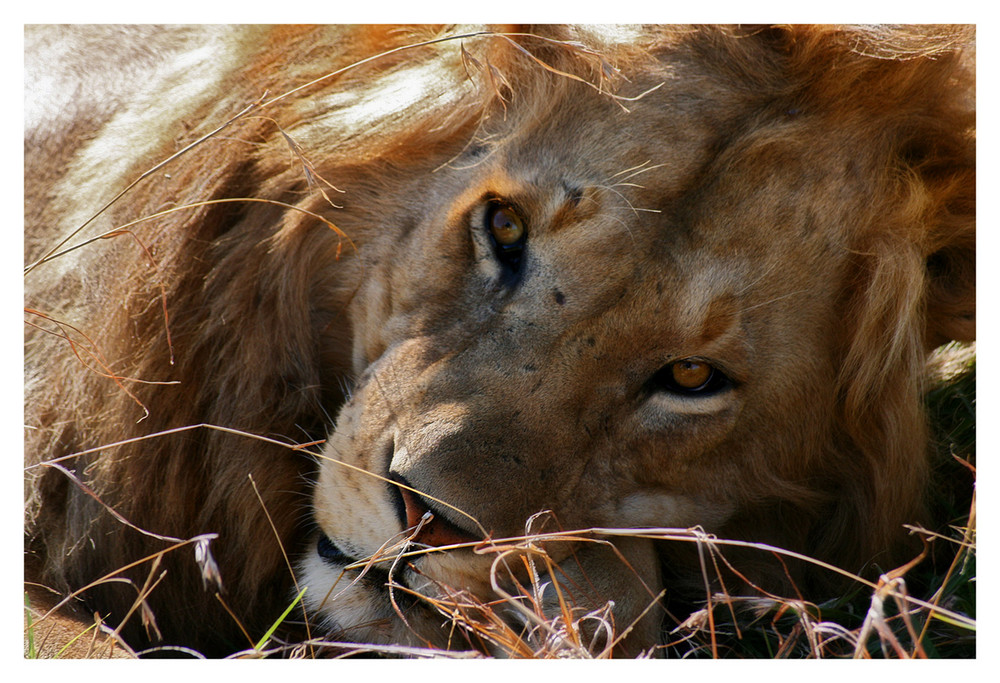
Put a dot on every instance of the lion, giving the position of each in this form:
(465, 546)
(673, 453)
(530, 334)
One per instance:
(389, 323)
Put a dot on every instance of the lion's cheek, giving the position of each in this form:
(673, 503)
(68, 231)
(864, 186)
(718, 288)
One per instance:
(336, 511)
(351, 501)
(658, 508)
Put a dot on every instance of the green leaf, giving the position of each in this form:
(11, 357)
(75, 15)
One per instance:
(274, 627)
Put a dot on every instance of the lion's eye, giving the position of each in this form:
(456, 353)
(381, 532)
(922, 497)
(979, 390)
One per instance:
(690, 374)
(506, 226)
(690, 377)
(507, 229)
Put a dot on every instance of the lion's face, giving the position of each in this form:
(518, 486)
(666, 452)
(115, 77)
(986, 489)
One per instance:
(595, 320)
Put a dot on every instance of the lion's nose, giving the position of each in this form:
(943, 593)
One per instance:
(435, 530)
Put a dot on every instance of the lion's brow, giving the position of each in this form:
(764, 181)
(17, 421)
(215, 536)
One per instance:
(571, 205)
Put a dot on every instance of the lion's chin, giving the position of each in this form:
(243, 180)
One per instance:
(447, 575)
(410, 602)
(375, 608)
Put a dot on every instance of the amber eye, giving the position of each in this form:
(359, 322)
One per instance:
(506, 226)
(690, 377)
(690, 374)
(508, 233)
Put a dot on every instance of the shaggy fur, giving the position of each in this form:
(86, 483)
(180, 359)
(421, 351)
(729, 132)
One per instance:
(794, 205)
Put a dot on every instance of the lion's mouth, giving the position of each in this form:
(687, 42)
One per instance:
(423, 524)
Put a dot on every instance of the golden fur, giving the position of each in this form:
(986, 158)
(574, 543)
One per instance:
(793, 207)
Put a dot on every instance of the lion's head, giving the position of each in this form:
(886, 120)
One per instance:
(623, 278)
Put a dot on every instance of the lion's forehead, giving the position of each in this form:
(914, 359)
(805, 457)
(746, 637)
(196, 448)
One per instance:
(661, 186)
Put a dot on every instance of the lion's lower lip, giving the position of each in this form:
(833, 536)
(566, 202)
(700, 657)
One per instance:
(375, 577)
(330, 553)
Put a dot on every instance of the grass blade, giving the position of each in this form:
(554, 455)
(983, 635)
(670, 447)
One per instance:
(267, 636)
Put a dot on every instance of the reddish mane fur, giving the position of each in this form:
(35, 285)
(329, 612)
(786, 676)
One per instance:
(256, 292)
